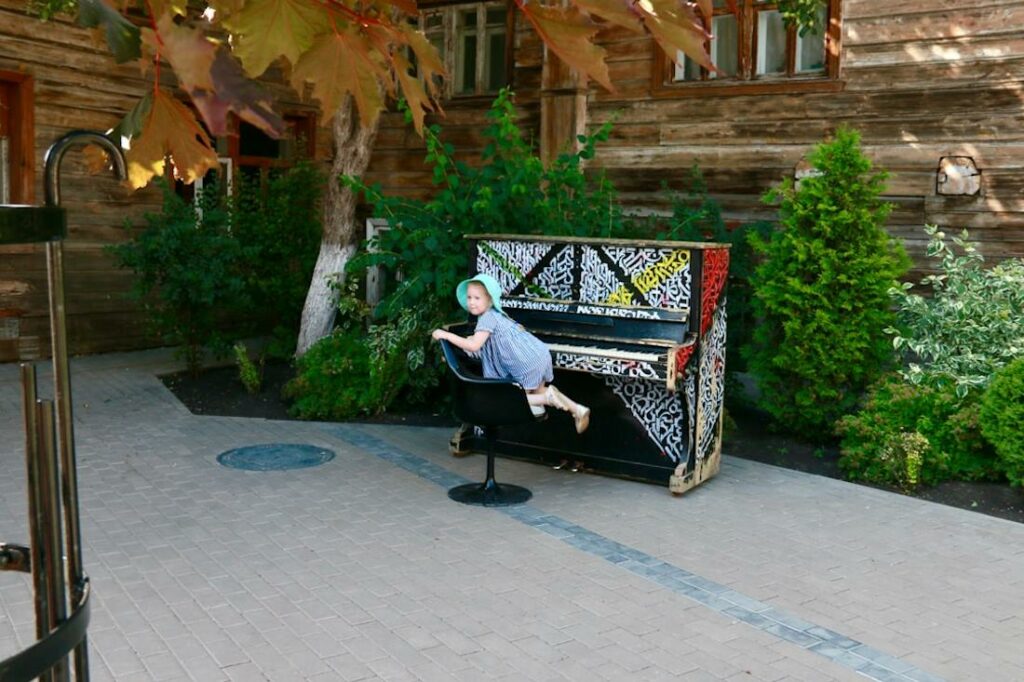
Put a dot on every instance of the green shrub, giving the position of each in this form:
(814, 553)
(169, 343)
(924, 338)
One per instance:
(1002, 418)
(821, 291)
(696, 216)
(388, 354)
(278, 228)
(509, 191)
(364, 367)
(970, 326)
(187, 274)
(249, 373)
(876, 441)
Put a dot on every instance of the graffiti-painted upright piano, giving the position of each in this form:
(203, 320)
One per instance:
(637, 332)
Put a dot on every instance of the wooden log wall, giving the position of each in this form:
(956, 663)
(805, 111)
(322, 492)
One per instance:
(77, 85)
(921, 79)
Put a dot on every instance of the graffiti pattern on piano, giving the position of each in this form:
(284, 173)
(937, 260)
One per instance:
(712, 382)
(510, 261)
(523, 303)
(556, 277)
(659, 412)
(598, 280)
(662, 276)
(633, 369)
(690, 391)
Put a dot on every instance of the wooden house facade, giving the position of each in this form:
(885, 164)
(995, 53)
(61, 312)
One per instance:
(935, 87)
(56, 77)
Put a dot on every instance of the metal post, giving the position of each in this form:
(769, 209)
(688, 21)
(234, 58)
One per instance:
(35, 530)
(61, 372)
(49, 501)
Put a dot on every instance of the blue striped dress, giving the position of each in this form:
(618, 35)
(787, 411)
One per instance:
(512, 352)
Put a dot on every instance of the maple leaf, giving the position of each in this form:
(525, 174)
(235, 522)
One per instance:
(341, 63)
(122, 36)
(168, 130)
(427, 58)
(676, 27)
(269, 29)
(412, 89)
(214, 80)
(232, 91)
(173, 7)
(567, 32)
(620, 12)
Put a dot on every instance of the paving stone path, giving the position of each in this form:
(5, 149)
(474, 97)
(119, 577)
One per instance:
(362, 569)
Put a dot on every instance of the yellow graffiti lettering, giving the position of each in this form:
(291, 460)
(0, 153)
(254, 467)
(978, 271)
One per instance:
(652, 276)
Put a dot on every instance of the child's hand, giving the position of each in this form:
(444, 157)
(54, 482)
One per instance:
(437, 334)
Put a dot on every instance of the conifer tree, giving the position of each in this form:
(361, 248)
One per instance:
(821, 290)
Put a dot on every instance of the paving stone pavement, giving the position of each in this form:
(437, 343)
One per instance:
(362, 569)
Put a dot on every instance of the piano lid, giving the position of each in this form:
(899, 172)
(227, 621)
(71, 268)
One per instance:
(600, 241)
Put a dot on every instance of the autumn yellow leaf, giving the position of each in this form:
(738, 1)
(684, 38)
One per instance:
(213, 79)
(169, 129)
(188, 50)
(269, 29)
(676, 27)
(342, 63)
(428, 60)
(569, 34)
(618, 12)
(412, 89)
(169, 7)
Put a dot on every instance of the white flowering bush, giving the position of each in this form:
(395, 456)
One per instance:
(972, 324)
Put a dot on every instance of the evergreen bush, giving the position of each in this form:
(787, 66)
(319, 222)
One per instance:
(1002, 418)
(821, 291)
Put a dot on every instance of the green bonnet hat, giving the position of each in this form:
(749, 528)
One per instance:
(489, 283)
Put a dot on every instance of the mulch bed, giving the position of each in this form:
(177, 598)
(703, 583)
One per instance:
(218, 391)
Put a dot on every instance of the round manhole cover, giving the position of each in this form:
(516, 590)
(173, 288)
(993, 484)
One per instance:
(275, 457)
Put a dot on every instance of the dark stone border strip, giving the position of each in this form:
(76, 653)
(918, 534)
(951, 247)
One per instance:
(865, 660)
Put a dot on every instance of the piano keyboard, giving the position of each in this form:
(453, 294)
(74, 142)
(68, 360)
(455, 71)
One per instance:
(612, 353)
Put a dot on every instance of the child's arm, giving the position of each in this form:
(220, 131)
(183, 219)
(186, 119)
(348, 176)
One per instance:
(470, 344)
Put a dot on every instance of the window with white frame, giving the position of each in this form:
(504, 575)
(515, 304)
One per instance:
(754, 45)
(472, 40)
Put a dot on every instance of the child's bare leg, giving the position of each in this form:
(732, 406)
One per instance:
(537, 401)
(580, 413)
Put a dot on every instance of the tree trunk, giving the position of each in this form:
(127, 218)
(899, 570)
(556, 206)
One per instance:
(353, 144)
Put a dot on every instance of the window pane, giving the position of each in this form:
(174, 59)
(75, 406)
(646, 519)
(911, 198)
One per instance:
(771, 42)
(725, 45)
(494, 49)
(254, 142)
(810, 49)
(465, 54)
(496, 16)
(689, 71)
(495, 60)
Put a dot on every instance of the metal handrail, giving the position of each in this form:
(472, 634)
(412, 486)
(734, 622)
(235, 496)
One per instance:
(52, 480)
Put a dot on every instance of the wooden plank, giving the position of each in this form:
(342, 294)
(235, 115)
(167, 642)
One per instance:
(967, 19)
(880, 9)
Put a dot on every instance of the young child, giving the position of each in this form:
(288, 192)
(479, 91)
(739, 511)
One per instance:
(509, 351)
